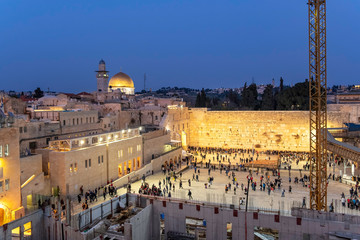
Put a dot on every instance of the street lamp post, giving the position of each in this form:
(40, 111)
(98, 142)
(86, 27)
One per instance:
(247, 195)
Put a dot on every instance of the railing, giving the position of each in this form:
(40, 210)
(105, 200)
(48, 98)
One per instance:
(173, 148)
(103, 138)
(98, 212)
(229, 201)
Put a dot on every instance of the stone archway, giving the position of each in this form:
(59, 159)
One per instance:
(5, 214)
(2, 216)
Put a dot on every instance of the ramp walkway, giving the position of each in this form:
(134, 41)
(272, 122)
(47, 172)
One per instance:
(343, 149)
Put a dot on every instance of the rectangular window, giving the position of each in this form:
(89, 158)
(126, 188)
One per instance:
(64, 123)
(7, 184)
(39, 128)
(25, 129)
(6, 152)
(20, 129)
(98, 159)
(1, 151)
(85, 163)
(71, 168)
(89, 162)
(102, 158)
(1, 186)
(27, 230)
(75, 167)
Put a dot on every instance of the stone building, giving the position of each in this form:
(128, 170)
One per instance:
(37, 133)
(158, 143)
(121, 82)
(102, 77)
(177, 122)
(92, 161)
(10, 195)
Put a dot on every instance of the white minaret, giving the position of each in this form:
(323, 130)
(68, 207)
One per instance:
(102, 77)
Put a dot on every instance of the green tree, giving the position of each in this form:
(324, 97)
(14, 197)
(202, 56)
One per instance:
(281, 84)
(294, 98)
(249, 97)
(268, 100)
(203, 99)
(233, 97)
(38, 93)
(197, 102)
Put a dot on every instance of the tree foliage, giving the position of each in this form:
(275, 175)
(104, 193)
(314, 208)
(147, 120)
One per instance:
(202, 100)
(38, 93)
(249, 97)
(294, 98)
(268, 99)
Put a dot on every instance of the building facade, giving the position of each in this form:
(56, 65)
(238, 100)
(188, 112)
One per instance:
(10, 189)
(93, 161)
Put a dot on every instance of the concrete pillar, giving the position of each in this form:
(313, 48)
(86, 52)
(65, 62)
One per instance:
(344, 167)
(68, 212)
(352, 169)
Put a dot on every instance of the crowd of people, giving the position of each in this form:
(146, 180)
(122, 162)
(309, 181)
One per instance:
(227, 162)
(92, 195)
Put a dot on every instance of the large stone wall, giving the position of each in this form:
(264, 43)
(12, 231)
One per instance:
(263, 130)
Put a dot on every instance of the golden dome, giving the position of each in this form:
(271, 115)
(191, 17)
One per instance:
(121, 80)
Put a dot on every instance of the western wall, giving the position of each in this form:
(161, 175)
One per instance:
(262, 130)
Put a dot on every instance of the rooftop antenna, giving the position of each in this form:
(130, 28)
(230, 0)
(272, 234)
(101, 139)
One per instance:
(253, 80)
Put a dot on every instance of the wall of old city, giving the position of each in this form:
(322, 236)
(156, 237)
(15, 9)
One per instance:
(263, 130)
(353, 111)
(177, 122)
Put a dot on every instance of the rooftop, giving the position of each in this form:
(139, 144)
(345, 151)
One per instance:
(93, 140)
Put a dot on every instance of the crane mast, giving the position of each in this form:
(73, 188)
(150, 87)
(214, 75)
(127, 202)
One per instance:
(317, 104)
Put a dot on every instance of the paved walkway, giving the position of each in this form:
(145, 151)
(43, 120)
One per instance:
(257, 199)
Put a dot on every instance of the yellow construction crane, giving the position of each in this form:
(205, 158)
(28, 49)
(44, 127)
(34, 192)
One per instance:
(317, 104)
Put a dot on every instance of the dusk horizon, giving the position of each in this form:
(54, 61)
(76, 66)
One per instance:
(188, 44)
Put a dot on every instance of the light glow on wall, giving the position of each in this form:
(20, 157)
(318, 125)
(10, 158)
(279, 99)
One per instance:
(27, 181)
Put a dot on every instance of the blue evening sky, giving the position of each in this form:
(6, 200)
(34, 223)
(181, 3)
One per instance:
(198, 43)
